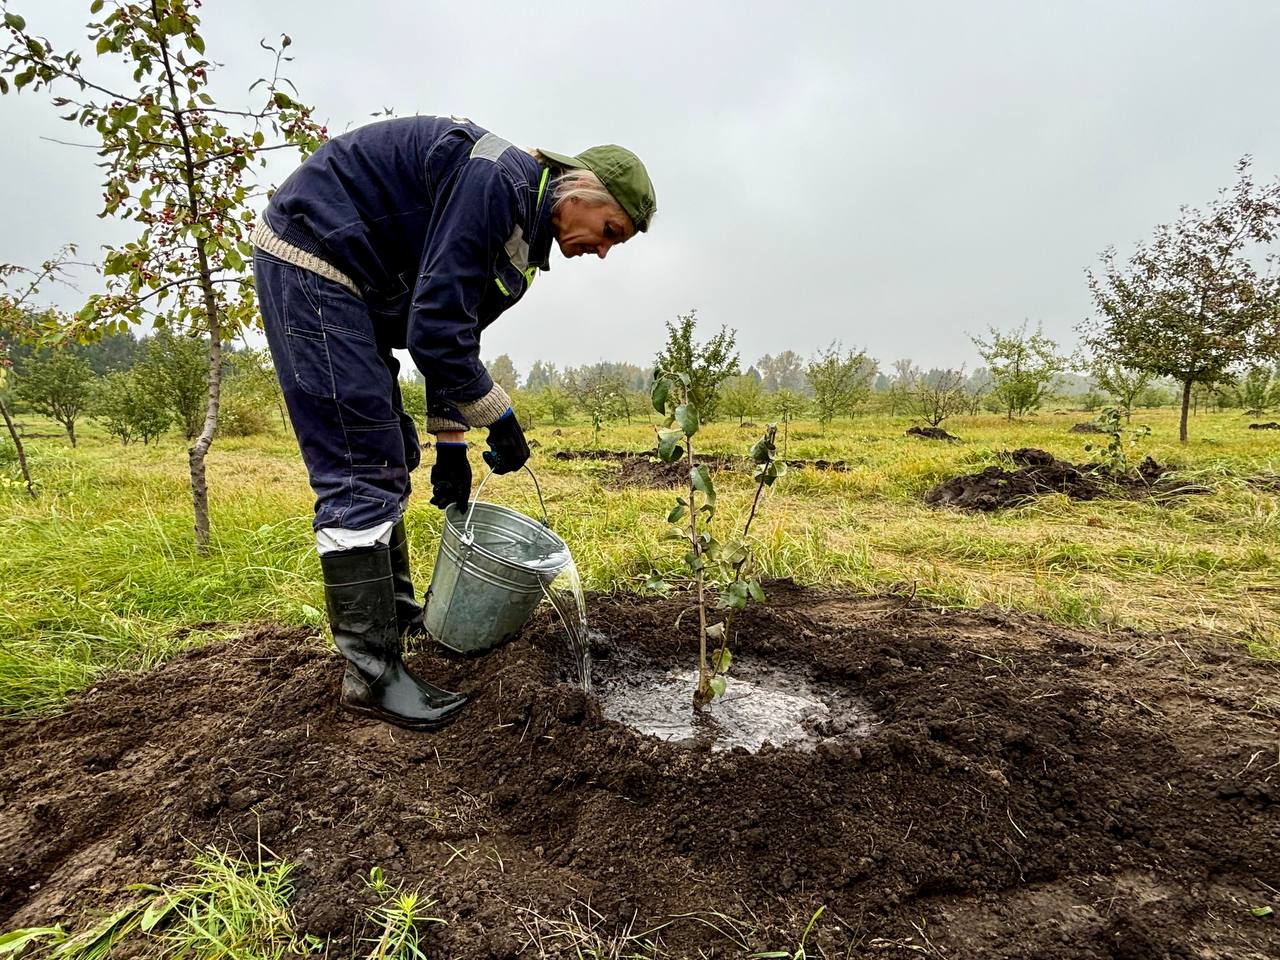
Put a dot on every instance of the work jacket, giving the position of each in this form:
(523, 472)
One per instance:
(438, 226)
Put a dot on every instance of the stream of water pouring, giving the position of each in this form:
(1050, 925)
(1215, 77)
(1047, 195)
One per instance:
(563, 587)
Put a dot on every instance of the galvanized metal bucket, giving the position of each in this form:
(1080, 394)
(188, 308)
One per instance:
(490, 572)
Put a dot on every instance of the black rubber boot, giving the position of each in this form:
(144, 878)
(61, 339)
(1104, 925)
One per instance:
(408, 610)
(362, 614)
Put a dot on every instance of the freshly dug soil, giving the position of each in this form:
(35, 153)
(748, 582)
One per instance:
(1272, 425)
(930, 433)
(649, 472)
(640, 469)
(1027, 791)
(1086, 428)
(1040, 472)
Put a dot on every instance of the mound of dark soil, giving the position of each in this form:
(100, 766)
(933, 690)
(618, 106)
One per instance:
(930, 433)
(649, 472)
(1027, 791)
(642, 469)
(1039, 472)
(1272, 425)
(1089, 427)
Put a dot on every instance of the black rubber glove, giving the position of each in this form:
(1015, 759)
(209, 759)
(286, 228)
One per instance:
(508, 451)
(451, 476)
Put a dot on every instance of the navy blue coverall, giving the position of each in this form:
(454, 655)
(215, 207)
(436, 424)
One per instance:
(413, 233)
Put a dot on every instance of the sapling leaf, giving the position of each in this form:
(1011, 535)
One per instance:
(1261, 911)
(757, 594)
(656, 584)
(687, 416)
(694, 562)
(735, 596)
(721, 658)
(715, 631)
(718, 683)
(685, 379)
(661, 390)
(701, 481)
(677, 513)
(669, 449)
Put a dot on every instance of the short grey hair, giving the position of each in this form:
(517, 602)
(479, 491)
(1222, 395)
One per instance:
(576, 183)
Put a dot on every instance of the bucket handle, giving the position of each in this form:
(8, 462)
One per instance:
(466, 527)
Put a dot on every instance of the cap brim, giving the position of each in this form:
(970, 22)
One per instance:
(564, 159)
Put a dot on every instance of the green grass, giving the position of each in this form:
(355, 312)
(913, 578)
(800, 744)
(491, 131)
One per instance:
(99, 573)
(226, 908)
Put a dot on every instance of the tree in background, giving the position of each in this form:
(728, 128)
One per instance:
(900, 383)
(1258, 390)
(21, 326)
(503, 372)
(1124, 384)
(707, 365)
(554, 402)
(938, 395)
(1198, 301)
(839, 380)
(598, 394)
(251, 373)
(58, 385)
(783, 372)
(541, 376)
(741, 396)
(786, 405)
(176, 367)
(1022, 367)
(129, 407)
(175, 165)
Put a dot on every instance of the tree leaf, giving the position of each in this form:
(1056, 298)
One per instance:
(757, 594)
(687, 416)
(721, 659)
(701, 480)
(15, 21)
(715, 631)
(669, 448)
(661, 390)
(677, 513)
(718, 683)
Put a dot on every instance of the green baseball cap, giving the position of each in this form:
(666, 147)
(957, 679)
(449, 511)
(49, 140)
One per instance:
(623, 175)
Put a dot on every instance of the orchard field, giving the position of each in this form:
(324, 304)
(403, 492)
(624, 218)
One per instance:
(1085, 691)
(101, 573)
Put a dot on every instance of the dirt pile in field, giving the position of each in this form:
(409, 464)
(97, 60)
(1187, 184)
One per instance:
(1026, 791)
(1039, 473)
(1089, 427)
(646, 470)
(931, 433)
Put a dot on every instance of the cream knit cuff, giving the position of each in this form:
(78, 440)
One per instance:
(443, 424)
(482, 412)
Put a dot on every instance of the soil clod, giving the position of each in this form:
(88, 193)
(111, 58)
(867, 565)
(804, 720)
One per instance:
(931, 433)
(1038, 473)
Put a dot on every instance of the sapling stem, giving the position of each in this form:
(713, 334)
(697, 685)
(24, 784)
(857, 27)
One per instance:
(761, 483)
(702, 695)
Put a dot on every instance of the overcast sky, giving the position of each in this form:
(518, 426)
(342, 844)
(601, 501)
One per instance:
(896, 176)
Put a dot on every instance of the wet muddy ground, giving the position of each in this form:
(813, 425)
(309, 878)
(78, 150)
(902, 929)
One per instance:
(1012, 789)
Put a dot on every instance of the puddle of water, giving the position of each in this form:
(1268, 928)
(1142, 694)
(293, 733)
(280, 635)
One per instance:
(760, 705)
